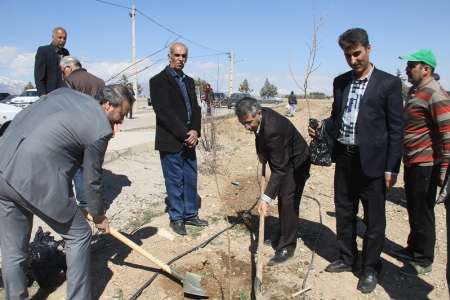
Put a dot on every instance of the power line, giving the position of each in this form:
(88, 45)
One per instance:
(113, 4)
(147, 67)
(208, 55)
(139, 61)
(154, 63)
(177, 36)
(176, 33)
(162, 26)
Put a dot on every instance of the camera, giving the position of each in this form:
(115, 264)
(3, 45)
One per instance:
(313, 123)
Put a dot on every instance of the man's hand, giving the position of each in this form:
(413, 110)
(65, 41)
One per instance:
(192, 138)
(390, 179)
(263, 208)
(311, 132)
(102, 223)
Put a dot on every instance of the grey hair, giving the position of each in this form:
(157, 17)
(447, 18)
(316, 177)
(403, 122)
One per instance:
(69, 61)
(247, 105)
(172, 46)
(115, 94)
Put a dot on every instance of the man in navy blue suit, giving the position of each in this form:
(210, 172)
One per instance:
(178, 123)
(367, 126)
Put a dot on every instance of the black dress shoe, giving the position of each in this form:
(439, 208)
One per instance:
(338, 266)
(273, 242)
(281, 256)
(178, 227)
(196, 221)
(368, 281)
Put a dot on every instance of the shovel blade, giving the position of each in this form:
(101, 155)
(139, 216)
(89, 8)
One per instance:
(258, 289)
(192, 285)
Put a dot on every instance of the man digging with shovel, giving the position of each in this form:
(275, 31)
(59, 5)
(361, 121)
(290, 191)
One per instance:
(40, 152)
(279, 144)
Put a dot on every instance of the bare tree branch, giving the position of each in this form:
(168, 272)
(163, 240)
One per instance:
(311, 62)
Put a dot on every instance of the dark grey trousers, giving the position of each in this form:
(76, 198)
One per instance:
(16, 220)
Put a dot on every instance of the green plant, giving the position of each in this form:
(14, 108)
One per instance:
(243, 295)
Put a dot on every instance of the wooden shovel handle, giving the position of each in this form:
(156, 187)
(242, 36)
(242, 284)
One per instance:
(259, 264)
(115, 233)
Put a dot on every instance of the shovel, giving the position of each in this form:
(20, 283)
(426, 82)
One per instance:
(191, 282)
(257, 284)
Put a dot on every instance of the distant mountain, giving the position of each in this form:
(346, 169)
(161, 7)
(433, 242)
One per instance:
(12, 86)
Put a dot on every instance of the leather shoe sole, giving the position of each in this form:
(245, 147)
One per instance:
(196, 222)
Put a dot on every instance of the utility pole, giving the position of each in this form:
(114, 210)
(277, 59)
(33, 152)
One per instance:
(133, 48)
(218, 75)
(231, 73)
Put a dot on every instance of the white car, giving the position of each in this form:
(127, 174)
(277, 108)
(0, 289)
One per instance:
(7, 113)
(26, 98)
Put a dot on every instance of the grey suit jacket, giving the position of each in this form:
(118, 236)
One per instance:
(44, 146)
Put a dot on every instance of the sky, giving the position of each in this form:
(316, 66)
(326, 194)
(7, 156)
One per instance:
(268, 38)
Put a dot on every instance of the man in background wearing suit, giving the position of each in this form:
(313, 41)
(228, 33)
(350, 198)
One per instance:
(280, 144)
(77, 78)
(41, 150)
(178, 123)
(47, 74)
(367, 125)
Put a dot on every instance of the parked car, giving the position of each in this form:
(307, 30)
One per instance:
(235, 98)
(3, 96)
(219, 99)
(271, 100)
(8, 99)
(26, 98)
(7, 113)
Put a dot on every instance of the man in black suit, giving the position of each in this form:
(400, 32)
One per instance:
(280, 144)
(367, 126)
(178, 123)
(47, 74)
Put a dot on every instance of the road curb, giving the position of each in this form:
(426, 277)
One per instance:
(111, 156)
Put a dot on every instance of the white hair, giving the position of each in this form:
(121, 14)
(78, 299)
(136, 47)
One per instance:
(69, 61)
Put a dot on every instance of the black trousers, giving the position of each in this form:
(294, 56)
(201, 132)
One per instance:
(350, 186)
(420, 189)
(291, 191)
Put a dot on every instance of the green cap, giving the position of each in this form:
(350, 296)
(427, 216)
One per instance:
(423, 55)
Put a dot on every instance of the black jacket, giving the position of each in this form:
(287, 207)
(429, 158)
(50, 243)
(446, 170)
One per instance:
(171, 113)
(280, 143)
(292, 99)
(47, 74)
(380, 121)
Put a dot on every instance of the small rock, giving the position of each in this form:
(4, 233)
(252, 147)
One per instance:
(165, 234)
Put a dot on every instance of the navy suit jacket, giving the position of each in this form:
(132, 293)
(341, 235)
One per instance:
(379, 125)
(171, 113)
